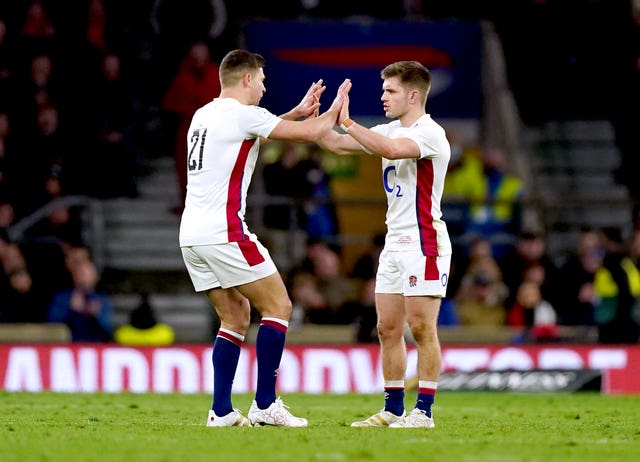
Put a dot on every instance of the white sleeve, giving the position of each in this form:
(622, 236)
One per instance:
(429, 143)
(257, 121)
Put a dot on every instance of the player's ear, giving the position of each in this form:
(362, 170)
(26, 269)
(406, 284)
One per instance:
(247, 79)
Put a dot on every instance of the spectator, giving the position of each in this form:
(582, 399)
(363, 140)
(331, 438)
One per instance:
(195, 84)
(7, 217)
(320, 218)
(531, 312)
(143, 329)
(464, 172)
(283, 215)
(7, 146)
(19, 302)
(281, 183)
(480, 299)
(363, 273)
(45, 258)
(176, 28)
(635, 247)
(528, 252)
(321, 287)
(112, 154)
(576, 299)
(7, 66)
(496, 201)
(97, 24)
(366, 264)
(75, 255)
(43, 261)
(36, 170)
(37, 32)
(41, 87)
(85, 309)
(42, 176)
(307, 299)
(478, 248)
(617, 285)
(363, 312)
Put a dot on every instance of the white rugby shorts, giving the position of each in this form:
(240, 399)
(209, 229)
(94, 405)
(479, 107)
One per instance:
(412, 274)
(227, 265)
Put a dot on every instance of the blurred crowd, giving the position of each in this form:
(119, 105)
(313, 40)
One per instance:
(68, 112)
(75, 82)
(502, 273)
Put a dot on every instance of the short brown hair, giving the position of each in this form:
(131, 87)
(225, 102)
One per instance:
(236, 63)
(411, 73)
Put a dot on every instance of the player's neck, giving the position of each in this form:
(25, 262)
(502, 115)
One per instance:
(235, 94)
(409, 118)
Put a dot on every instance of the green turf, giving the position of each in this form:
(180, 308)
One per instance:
(469, 427)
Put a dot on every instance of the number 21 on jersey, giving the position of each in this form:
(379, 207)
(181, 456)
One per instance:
(196, 140)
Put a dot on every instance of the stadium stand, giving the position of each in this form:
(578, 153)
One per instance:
(566, 163)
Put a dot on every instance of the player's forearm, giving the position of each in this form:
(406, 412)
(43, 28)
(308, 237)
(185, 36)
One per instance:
(293, 114)
(377, 144)
(322, 124)
(339, 144)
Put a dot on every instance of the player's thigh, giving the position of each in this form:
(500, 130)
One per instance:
(269, 296)
(422, 314)
(232, 308)
(391, 314)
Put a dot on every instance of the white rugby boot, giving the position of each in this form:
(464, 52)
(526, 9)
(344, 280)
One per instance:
(276, 414)
(232, 419)
(380, 419)
(415, 419)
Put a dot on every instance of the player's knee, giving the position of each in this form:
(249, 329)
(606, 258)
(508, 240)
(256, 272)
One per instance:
(280, 309)
(235, 315)
(238, 323)
(389, 330)
(423, 331)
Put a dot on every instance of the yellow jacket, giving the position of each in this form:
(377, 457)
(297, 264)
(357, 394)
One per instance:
(158, 335)
(607, 290)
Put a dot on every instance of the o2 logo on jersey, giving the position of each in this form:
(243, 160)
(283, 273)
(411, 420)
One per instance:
(413, 281)
(390, 186)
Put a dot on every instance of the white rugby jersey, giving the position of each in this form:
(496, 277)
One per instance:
(414, 189)
(223, 144)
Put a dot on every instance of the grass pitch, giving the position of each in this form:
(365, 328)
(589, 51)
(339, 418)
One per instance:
(470, 426)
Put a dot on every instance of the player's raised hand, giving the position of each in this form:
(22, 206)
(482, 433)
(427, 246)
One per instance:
(309, 106)
(342, 96)
(344, 111)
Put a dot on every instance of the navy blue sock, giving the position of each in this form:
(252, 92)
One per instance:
(269, 347)
(426, 397)
(394, 399)
(226, 352)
